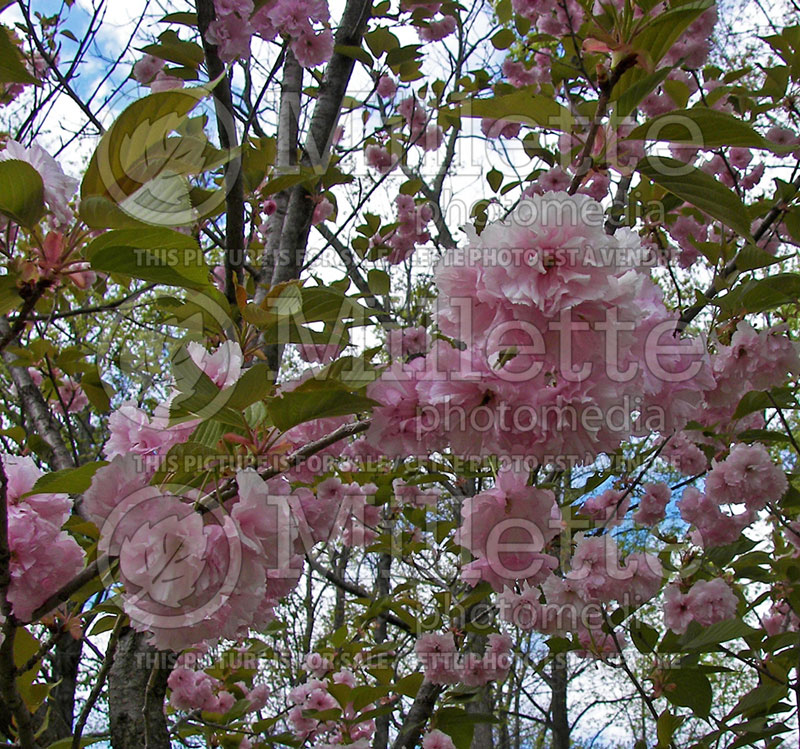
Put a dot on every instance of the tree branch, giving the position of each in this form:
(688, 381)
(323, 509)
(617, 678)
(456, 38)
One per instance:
(226, 127)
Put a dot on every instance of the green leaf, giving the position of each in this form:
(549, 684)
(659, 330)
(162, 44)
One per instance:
(98, 212)
(759, 700)
(379, 282)
(521, 106)
(666, 726)
(173, 49)
(760, 294)
(704, 128)
(321, 401)
(503, 39)
(254, 384)
(691, 689)
(140, 130)
(409, 685)
(22, 196)
(752, 256)
(9, 294)
(68, 742)
(356, 53)
(633, 94)
(495, 179)
(730, 629)
(152, 254)
(665, 28)
(758, 401)
(67, 480)
(381, 40)
(699, 189)
(96, 389)
(12, 69)
(643, 636)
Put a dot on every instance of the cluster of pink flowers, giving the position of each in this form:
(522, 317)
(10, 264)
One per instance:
(429, 28)
(520, 75)
(434, 31)
(402, 342)
(552, 311)
(68, 395)
(192, 690)
(746, 477)
(506, 529)
(235, 24)
(500, 128)
(58, 187)
(411, 222)
(223, 367)
(319, 353)
(692, 49)
(132, 431)
(574, 602)
(781, 618)
(443, 664)
(653, 504)
(334, 510)
(314, 696)
(232, 568)
(42, 555)
(685, 455)
(607, 508)
(436, 739)
(379, 158)
(149, 71)
(551, 17)
(414, 495)
(197, 690)
(386, 87)
(707, 602)
(754, 360)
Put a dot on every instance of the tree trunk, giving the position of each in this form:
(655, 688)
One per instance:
(381, 740)
(418, 715)
(137, 687)
(558, 703)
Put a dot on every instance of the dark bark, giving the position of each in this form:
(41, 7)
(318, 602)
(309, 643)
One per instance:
(558, 704)
(418, 715)
(226, 128)
(300, 207)
(137, 689)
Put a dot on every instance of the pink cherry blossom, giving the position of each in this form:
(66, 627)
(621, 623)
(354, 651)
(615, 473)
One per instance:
(146, 69)
(313, 49)
(439, 658)
(652, 505)
(437, 30)
(323, 210)
(223, 367)
(435, 739)
(608, 508)
(712, 601)
(386, 87)
(408, 341)
(133, 431)
(380, 159)
(749, 476)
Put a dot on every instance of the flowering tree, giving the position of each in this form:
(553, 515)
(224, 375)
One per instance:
(414, 374)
